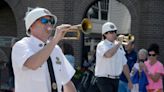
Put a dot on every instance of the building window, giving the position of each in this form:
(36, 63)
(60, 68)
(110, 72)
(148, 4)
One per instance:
(99, 10)
(113, 11)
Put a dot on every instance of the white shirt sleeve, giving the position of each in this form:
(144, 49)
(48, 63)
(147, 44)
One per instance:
(20, 53)
(102, 49)
(67, 71)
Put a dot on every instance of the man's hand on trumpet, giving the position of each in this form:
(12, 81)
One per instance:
(61, 30)
(120, 38)
(124, 40)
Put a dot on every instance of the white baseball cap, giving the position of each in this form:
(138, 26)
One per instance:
(108, 26)
(34, 14)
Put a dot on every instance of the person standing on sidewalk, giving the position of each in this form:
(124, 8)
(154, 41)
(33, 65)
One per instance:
(110, 60)
(154, 69)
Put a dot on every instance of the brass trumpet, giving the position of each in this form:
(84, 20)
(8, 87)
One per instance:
(125, 39)
(85, 27)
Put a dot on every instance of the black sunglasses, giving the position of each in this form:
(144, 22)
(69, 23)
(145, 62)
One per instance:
(111, 32)
(152, 55)
(45, 21)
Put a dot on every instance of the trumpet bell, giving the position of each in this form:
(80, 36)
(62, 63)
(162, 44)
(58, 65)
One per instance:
(126, 39)
(85, 27)
(129, 38)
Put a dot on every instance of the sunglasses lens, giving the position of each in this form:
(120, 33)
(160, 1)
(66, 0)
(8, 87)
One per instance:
(44, 20)
(152, 54)
(113, 31)
(52, 21)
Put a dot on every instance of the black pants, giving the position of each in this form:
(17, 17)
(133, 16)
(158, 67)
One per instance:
(107, 84)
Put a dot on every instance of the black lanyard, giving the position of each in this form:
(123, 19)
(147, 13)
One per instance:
(52, 75)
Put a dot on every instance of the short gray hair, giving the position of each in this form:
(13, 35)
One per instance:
(143, 51)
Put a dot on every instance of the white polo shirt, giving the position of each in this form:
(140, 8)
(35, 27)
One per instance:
(109, 66)
(27, 80)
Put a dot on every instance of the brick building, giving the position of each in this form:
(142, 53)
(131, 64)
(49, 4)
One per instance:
(147, 20)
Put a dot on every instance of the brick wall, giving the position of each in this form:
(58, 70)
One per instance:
(67, 11)
(147, 19)
(152, 24)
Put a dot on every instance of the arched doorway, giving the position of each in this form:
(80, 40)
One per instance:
(7, 33)
(100, 12)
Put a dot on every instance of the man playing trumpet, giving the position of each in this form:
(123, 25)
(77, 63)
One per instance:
(110, 60)
(39, 64)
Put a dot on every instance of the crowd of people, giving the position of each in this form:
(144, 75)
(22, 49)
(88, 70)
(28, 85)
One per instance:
(120, 69)
(41, 65)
